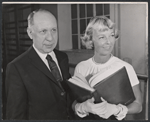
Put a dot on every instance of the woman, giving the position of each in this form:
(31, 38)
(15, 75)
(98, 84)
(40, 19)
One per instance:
(101, 34)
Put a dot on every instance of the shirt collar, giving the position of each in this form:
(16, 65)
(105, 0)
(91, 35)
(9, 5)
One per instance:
(43, 55)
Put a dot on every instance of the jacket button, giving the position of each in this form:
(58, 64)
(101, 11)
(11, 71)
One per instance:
(62, 93)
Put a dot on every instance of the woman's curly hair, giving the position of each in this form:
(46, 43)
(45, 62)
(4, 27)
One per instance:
(98, 22)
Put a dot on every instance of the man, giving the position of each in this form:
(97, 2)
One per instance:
(31, 88)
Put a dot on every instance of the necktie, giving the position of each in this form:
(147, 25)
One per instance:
(54, 68)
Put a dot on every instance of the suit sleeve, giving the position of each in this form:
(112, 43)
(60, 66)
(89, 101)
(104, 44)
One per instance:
(16, 95)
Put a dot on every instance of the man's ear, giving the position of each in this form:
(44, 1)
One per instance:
(29, 31)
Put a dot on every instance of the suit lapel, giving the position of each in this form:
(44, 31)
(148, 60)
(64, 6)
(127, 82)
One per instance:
(39, 64)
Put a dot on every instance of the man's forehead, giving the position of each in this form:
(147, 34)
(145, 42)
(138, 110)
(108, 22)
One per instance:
(44, 16)
(44, 20)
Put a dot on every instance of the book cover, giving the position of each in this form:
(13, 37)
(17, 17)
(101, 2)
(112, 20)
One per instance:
(114, 87)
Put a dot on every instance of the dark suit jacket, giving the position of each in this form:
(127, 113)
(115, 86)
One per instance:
(31, 90)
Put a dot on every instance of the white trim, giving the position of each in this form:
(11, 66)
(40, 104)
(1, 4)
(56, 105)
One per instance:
(74, 2)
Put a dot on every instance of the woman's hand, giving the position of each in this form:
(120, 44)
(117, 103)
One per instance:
(90, 107)
(119, 111)
(111, 109)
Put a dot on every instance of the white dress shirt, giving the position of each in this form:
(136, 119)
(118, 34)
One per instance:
(43, 57)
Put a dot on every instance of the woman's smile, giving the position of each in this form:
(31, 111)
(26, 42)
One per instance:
(107, 47)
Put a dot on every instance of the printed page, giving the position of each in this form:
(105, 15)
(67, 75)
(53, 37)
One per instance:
(81, 82)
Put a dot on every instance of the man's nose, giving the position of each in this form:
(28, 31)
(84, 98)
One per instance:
(49, 36)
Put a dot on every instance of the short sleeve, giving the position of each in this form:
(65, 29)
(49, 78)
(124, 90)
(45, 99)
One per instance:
(132, 75)
(80, 68)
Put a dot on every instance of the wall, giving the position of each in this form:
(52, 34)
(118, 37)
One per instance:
(133, 35)
(132, 19)
(64, 24)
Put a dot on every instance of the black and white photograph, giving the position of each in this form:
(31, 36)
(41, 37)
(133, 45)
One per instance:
(74, 61)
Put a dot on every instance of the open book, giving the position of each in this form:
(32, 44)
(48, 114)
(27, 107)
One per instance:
(114, 86)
